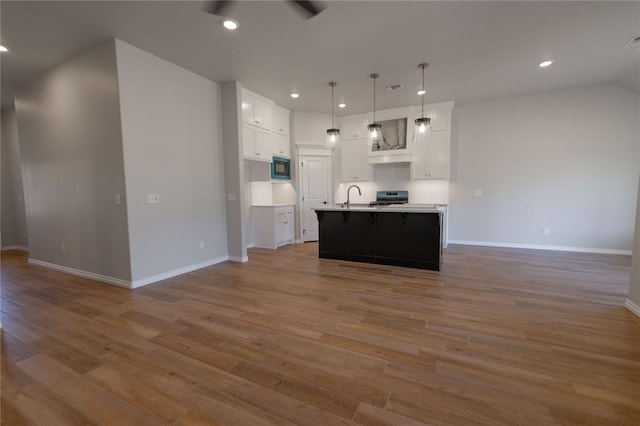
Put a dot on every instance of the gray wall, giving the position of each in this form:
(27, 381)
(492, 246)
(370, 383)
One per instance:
(237, 210)
(566, 160)
(14, 221)
(634, 285)
(172, 138)
(71, 152)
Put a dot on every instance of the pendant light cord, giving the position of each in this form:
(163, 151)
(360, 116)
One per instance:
(374, 99)
(332, 86)
(374, 76)
(422, 66)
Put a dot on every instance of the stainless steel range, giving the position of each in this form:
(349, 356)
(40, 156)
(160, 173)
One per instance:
(386, 198)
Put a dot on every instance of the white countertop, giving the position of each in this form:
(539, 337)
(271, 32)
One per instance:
(401, 208)
(273, 205)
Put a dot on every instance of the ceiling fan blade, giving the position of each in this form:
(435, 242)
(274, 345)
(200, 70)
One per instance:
(217, 7)
(308, 8)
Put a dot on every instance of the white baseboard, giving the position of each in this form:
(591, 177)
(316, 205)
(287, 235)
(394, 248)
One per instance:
(251, 245)
(176, 272)
(632, 307)
(80, 273)
(542, 247)
(129, 284)
(21, 248)
(238, 259)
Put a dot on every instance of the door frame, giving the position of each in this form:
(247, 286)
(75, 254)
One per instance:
(302, 154)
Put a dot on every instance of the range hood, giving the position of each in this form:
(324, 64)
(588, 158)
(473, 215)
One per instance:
(393, 147)
(387, 157)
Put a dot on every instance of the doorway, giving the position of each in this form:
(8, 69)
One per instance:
(315, 191)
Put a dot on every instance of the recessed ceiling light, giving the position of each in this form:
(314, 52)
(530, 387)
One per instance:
(342, 105)
(421, 92)
(230, 24)
(545, 64)
(295, 95)
(3, 49)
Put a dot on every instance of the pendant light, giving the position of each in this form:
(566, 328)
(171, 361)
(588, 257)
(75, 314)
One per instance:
(333, 134)
(423, 124)
(375, 129)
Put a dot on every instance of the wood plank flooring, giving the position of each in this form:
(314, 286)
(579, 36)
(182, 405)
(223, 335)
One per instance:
(499, 336)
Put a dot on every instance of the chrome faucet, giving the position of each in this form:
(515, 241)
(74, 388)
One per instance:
(349, 190)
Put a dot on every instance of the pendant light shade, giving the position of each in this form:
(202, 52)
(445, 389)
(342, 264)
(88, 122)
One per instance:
(423, 124)
(333, 134)
(374, 129)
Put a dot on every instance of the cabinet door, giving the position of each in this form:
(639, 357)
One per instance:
(360, 231)
(262, 114)
(422, 239)
(331, 226)
(248, 142)
(439, 119)
(355, 165)
(438, 156)
(281, 233)
(430, 158)
(280, 120)
(389, 244)
(354, 127)
(262, 145)
(280, 146)
(247, 109)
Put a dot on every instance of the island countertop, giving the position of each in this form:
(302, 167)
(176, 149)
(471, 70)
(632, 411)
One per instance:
(394, 208)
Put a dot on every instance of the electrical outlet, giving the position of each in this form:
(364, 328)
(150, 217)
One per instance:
(63, 249)
(118, 199)
(153, 198)
(478, 193)
(546, 231)
(201, 245)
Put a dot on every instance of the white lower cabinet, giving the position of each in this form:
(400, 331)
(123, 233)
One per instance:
(273, 226)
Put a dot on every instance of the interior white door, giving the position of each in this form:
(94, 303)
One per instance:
(315, 173)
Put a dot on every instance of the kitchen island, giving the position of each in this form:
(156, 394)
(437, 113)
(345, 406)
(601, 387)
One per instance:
(389, 235)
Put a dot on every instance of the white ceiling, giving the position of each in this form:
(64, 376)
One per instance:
(476, 50)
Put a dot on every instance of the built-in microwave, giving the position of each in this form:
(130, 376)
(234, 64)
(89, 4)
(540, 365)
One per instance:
(281, 168)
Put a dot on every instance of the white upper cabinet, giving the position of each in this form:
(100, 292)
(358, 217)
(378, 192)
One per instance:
(279, 120)
(280, 146)
(256, 144)
(354, 161)
(354, 127)
(265, 130)
(255, 110)
(431, 157)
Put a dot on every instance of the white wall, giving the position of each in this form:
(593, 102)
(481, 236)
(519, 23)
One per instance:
(14, 220)
(566, 160)
(172, 139)
(72, 165)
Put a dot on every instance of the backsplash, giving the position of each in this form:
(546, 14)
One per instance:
(395, 177)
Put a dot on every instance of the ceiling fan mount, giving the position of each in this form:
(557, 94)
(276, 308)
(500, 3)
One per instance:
(308, 9)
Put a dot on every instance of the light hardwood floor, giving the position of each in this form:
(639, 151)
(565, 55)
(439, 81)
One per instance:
(499, 336)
